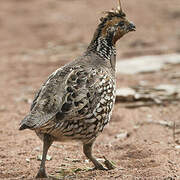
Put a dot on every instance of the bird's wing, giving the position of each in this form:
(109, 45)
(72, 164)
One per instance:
(48, 100)
(69, 93)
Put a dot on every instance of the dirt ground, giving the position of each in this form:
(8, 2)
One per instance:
(37, 37)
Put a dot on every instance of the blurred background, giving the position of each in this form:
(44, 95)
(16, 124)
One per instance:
(39, 36)
(32, 25)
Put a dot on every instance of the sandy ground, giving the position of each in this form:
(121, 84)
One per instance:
(37, 37)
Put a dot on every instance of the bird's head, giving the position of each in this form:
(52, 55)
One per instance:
(115, 24)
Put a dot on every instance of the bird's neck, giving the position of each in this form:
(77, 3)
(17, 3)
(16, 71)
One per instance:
(102, 46)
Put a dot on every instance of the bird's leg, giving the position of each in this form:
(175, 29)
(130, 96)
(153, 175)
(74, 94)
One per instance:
(47, 141)
(87, 149)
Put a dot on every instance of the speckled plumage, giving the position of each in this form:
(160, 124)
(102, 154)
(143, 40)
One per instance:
(76, 101)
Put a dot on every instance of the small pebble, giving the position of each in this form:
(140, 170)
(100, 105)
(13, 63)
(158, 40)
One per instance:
(86, 161)
(37, 149)
(48, 158)
(177, 147)
(122, 135)
(27, 160)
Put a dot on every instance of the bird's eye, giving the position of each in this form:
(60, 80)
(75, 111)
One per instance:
(121, 23)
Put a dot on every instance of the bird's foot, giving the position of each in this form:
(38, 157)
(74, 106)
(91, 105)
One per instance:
(109, 164)
(41, 174)
(99, 166)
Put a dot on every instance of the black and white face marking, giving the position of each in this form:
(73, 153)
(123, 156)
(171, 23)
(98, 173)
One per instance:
(125, 26)
(109, 31)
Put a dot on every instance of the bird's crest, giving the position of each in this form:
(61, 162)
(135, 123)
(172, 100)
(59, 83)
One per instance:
(119, 8)
(116, 12)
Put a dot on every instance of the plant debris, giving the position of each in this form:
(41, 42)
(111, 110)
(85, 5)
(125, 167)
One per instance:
(159, 122)
(147, 96)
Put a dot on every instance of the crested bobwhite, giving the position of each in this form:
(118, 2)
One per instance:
(76, 101)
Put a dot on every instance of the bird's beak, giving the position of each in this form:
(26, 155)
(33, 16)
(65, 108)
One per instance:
(131, 27)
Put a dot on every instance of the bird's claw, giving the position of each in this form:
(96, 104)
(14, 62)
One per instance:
(109, 164)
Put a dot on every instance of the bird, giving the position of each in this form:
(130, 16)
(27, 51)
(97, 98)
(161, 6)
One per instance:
(76, 101)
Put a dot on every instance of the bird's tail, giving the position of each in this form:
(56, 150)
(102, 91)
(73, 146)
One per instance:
(23, 126)
(27, 123)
